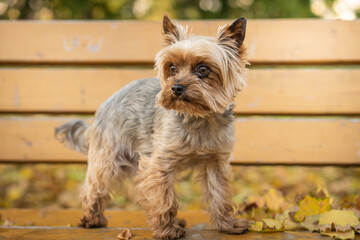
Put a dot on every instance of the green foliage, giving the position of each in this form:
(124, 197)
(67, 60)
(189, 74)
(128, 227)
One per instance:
(153, 9)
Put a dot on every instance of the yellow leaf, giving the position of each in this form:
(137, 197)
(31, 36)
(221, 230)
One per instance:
(258, 200)
(310, 206)
(340, 235)
(274, 200)
(342, 221)
(272, 224)
(286, 221)
(256, 227)
(310, 223)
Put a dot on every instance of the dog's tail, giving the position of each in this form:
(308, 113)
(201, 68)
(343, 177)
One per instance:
(72, 135)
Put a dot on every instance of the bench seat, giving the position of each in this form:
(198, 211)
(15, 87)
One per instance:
(59, 224)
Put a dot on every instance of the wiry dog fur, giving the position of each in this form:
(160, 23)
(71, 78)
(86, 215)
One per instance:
(151, 132)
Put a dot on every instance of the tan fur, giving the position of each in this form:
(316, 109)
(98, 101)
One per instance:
(148, 132)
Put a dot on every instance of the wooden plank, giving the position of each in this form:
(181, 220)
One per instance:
(67, 233)
(260, 140)
(117, 42)
(116, 218)
(274, 91)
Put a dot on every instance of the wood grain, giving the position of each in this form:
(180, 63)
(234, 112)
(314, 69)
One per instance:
(116, 218)
(119, 42)
(259, 140)
(67, 233)
(269, 91)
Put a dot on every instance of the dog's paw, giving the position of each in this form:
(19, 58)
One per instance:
(234, 226)
(181, 222)
(93, 221)
(169, 233)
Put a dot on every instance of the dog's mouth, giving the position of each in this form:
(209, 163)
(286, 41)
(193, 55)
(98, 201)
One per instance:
(185, 99)
(182, 98)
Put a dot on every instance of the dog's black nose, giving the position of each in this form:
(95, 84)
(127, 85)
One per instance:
(178, 89)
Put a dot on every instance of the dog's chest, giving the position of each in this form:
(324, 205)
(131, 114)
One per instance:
(201, 136)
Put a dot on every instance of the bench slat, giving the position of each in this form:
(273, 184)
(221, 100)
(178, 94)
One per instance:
(67, 233)
(116, 218)
(119, 42)
(260, 140)
(274, 91)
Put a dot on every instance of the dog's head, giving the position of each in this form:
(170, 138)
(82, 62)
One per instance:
(201, 75)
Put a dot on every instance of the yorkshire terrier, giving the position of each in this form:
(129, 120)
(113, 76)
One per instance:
(153, 129)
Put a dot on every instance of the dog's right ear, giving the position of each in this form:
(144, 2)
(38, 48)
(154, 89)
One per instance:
(173, 32)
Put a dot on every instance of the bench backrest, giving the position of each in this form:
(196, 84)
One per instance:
(301, 106)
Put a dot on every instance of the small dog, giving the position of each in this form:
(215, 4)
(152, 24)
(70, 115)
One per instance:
(152, 129)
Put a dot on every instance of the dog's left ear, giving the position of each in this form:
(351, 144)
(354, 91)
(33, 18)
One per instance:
(235, 31)
(171, 32)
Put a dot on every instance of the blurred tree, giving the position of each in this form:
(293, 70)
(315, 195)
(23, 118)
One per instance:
(153, 9)
(180, 9)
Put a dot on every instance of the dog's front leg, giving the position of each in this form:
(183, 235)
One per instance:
(155, 186)
(216, 183)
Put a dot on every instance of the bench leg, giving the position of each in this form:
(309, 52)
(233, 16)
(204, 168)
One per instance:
(216, 183)
(156, 195)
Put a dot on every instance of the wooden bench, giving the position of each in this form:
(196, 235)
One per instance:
(301, 107)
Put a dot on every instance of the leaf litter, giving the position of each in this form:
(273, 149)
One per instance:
(312, 213)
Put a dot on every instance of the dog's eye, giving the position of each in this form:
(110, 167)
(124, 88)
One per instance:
(172, 69)
(203, 71)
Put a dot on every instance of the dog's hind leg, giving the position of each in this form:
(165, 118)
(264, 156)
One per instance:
(95, 192)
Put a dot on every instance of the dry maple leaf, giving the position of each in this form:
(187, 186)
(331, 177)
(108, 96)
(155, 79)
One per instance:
(125, 234)
(311, 206)
(267, 225)
(340, 235)
(311, 223)
(339, 224)
(286, 221)
(340, 220)
(274, 200)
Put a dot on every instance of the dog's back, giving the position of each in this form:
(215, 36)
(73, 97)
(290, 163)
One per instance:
(126, 119)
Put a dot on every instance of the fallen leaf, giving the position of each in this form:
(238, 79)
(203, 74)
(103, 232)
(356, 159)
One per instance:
(274, 200)
(267, 225)
(8, 223)
(311, 223)
(272, 224)
(311, 206)
(322, 193)
(357, 202)
(258, 200)
(341, 220)
(257, 226)
(125, 234)
(340, 235)
(287, 223)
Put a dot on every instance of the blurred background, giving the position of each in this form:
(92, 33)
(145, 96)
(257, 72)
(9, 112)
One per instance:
(56, 185)
(180, 9)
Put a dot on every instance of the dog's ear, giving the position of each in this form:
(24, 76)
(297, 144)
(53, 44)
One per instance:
(173, 32)
(235, 31)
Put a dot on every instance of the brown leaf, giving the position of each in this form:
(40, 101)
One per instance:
(8, 223)
(125, 234)
(357, 202)
(322, 193)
